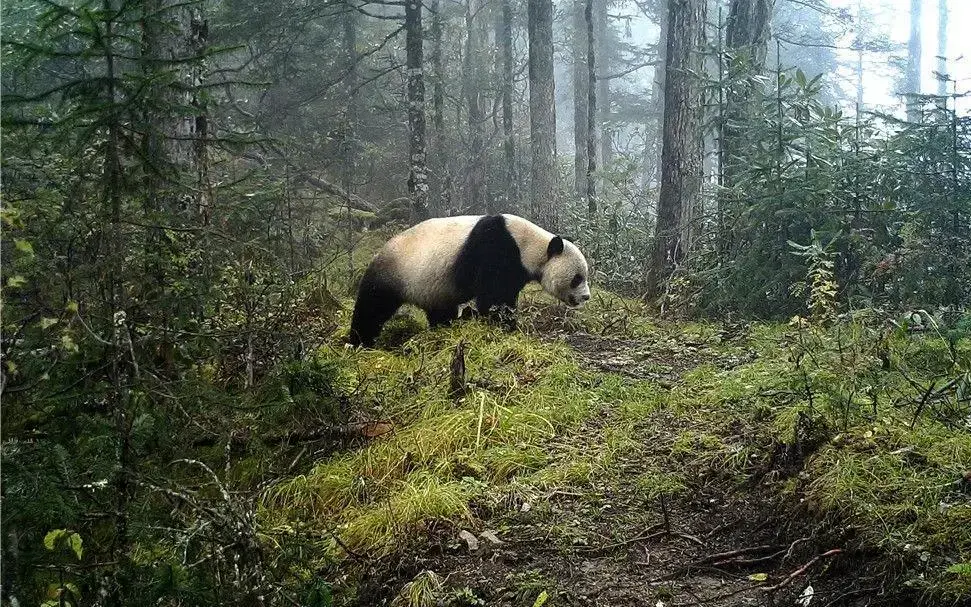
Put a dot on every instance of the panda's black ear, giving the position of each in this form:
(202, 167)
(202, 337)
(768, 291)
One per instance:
(555, 247)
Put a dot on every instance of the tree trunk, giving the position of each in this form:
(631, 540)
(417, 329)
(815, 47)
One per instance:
(912, 83)
(591, 139)
(942, 47)
(438, 114)
(581, 98)
(681, 154)
(418, 169)
(657, 92)
(472, 86)
(859, 55)
(348, 132)
(746, 35)
(542, 118)
(510, 200)
(603, 86)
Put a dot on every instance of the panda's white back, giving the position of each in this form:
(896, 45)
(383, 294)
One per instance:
(423, 255)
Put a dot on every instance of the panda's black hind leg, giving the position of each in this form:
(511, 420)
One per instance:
(438, 317)
(377, 301)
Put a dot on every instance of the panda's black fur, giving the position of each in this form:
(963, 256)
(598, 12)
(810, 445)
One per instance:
(487, 268)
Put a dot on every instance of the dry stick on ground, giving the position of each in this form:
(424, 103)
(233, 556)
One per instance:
(647, 535)
(457, 386)
(722, 556)
(801, 570)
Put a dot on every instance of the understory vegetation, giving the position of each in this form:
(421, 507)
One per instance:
(334, 469)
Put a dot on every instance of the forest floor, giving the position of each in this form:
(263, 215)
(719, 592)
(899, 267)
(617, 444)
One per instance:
(601, 458)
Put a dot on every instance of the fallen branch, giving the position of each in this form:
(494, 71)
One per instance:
(352, 200)
(740, 552)
(801, 570)
(747, 562)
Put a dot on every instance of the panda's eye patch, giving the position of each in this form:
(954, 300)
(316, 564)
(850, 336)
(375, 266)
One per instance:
(576, 281)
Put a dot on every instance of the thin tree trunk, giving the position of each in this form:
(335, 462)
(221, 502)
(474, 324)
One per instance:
(581, 97)
(542, 117)
(591, 139)
(116, 304)
(471, 84)
(511, 189)
(348, 142)
(438, 113)
(418, 169)
(658, 93)
(942, 18)
(859, 55)
(681, 162)
(746, 34)
(603, 86)
(912, 84)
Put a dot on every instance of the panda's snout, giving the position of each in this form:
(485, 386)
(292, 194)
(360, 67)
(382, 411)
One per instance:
(576, 301)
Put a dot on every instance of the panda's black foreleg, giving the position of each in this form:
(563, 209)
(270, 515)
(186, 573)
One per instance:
(376, 304)
(499, 310)
(438, 317)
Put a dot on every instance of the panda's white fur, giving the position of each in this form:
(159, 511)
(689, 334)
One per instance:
(429, 265)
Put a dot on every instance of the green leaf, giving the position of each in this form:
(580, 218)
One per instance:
(47, 323)
(53, 537)
(759, 577)
(74, 541)
(24, 246)
(541, 599)
(73, 589)
(962, 569)
(68, 343)
(16, 281)
(72, 307)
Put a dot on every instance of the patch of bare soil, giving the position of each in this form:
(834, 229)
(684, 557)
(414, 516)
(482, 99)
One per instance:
(607, 547)
(663, 360)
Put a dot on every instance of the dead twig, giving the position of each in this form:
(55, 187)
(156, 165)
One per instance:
(803, 569)
(721, 556)
(647, 535)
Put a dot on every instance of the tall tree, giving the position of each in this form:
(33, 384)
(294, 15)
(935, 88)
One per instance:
(681, 154)
(475, 116)
(942, 18)
(912, 79)
(746, 34)
(414, 64)
(542, 117)
(591, 139)
(602, 41)
(580, 98)
(510, 195)
(442, 165)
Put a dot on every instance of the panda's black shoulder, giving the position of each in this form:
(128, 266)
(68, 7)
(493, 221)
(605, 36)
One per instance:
(489, 244)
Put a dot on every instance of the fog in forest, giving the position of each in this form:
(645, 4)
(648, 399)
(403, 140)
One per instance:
(485, 302)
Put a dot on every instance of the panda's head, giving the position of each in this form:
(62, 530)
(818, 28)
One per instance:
(564, 275)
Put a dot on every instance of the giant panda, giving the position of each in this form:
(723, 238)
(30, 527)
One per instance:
(442, 263)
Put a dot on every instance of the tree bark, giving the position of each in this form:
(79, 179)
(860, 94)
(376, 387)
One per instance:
(912, 82)
(472, 86)
(746, 34)
(443, 167)
(603, 85)
(591, 130)
(418, 168)
(510, 201)
(681, 155)
(542, 118)
(942, 18)
(581, 97)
